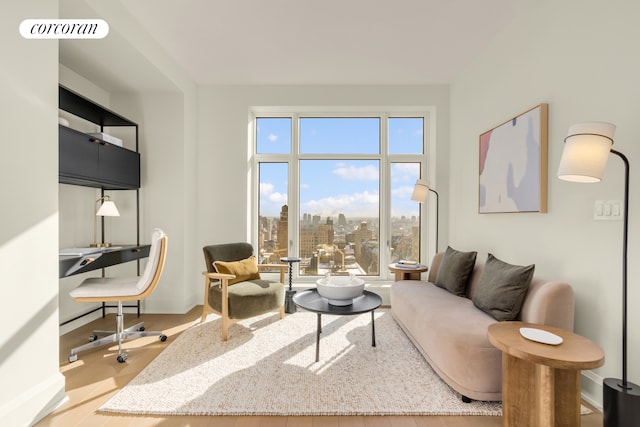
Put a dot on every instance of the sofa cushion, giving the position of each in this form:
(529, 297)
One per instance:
(454, 270)
(246, 269)
(502, 288)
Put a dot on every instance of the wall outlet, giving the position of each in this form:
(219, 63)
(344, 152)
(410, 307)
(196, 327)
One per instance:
(608, 210)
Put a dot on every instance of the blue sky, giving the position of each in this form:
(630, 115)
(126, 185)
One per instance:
(330, 187)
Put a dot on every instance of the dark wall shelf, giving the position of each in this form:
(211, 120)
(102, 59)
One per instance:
(83, 107)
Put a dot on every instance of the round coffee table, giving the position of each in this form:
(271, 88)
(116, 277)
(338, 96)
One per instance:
(310, 300)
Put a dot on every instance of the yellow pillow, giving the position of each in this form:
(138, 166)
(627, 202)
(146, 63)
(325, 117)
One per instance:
(246, 269)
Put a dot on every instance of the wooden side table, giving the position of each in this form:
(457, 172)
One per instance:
(407, 273)
(541, 382)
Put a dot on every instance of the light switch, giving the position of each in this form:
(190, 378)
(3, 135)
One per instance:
(607, 210)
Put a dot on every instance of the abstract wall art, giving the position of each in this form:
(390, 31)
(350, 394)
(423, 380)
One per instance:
(513, 164)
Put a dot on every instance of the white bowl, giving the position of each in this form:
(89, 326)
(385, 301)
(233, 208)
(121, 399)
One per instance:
(340, 290)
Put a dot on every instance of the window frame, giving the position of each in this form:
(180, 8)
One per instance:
(426, 159)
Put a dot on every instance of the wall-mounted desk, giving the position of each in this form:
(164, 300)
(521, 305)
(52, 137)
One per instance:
(75, 264)
(119, 254)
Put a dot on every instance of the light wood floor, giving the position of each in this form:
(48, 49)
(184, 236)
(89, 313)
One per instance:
(96, 376)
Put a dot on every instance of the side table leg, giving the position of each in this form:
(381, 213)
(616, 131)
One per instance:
(318, 329)
(373, 330)
(545, 396)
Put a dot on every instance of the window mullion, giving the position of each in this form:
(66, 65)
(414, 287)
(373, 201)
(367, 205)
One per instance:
(294, 189)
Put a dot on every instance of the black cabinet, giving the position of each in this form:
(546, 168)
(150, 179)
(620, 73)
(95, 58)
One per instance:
(86, 160)
(89, 161)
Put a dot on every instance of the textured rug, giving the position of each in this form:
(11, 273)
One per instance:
(267, 367)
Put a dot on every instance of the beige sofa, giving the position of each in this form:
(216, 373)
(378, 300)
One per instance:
(451, 332)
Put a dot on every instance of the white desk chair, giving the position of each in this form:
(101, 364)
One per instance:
(121, 289)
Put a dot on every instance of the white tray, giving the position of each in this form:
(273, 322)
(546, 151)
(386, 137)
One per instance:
(540, 335)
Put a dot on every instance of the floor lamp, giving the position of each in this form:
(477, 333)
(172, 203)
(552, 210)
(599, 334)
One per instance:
(420, 194)
(584, 157)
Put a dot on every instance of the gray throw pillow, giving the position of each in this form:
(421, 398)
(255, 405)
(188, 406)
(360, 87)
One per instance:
(502, 287)
(454, 271)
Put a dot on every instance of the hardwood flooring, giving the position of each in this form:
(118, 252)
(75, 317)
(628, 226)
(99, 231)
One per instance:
(96, 376)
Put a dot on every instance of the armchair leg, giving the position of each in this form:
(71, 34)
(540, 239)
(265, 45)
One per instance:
(205, 311)
(225, 328)
(282, 312)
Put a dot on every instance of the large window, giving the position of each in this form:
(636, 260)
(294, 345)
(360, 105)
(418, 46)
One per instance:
(335, 190)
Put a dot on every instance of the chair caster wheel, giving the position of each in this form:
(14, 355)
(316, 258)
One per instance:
(92, 338)
(141, 328)
(465, 399)
(73, 358)
(163, 338)
(122, 357)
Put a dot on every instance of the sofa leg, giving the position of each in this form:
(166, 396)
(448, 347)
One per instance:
(465, 399)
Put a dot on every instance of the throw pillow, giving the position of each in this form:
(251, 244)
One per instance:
(454, 271)
(246, 269)
(502, 288)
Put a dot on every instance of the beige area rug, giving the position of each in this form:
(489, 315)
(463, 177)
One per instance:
(267, 367)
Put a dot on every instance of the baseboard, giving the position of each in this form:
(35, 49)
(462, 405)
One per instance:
(35, 403)
(592, 389)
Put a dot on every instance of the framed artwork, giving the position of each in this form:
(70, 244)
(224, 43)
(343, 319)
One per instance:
(513, 164)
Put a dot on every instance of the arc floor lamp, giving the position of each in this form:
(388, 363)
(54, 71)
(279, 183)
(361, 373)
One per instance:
(421, 194)
(586, 149)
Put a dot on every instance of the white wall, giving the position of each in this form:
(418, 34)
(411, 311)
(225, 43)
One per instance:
(580, 57)
(223, 111)
(31, 381)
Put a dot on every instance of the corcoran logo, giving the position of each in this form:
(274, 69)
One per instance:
(64, 28)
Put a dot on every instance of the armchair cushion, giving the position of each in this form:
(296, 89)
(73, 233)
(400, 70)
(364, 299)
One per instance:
(249, 298)
(246, 269)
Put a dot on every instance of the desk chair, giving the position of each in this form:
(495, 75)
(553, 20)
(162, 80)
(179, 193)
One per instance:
(233, 286)
(121, 289)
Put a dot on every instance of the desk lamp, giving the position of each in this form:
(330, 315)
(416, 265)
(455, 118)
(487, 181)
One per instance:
(420, 194)
(108, 208)
(584, 158)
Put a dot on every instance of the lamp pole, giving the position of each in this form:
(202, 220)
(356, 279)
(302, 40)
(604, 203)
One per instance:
(625, 233)
(621, 399)
(437, 214)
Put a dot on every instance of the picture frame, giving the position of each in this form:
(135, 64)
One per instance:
(513, 164)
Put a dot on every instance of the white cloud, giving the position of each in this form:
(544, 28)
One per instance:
(266, 188)
(272, 137)
(268, 195)
(405, 172)
(403, 192)
(356, 204)
(353, 173)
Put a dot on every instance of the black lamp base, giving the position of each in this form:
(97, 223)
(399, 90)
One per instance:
(621, 406)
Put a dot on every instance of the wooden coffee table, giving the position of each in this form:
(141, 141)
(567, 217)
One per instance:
(312, 301)
(541, 382)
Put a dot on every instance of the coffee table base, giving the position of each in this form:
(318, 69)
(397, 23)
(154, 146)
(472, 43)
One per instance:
(319, 331)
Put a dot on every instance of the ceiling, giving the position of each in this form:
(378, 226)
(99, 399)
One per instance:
(310, 42)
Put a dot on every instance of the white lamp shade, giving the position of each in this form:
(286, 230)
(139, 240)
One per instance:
(586, 149)
(108, 208)
(420, 191)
